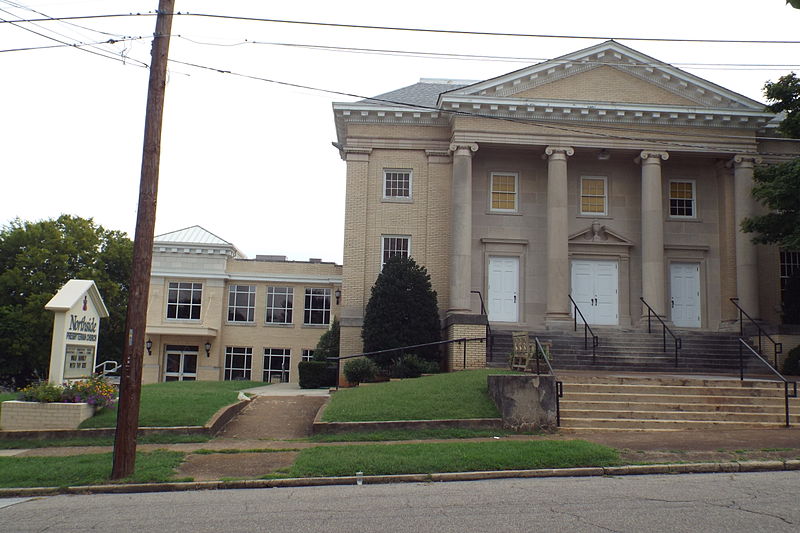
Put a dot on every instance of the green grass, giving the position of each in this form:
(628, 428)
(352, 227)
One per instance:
(18, 444)
(442, 396)
(427, 458)
(177, 403)
(415, 434)
(87, 469)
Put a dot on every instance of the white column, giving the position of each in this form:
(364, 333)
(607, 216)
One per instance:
(461, 228)
(746, 254)
(652, 231)
(557, 235)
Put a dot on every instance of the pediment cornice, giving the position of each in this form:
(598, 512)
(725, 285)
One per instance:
(597, 233)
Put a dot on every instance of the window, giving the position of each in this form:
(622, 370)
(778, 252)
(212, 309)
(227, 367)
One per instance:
(241, 303)
(276, 364)
(397, 184)
(184, 300)
(279, 305)
(392, 245)
(308, 355)
(681, 199)
(790, 266)
(317, 307)
(238, 362)
(504, 192)
(593, 196)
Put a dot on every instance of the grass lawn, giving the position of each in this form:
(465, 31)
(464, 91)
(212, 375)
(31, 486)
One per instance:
(441, 396)
(84, 469)
(410, 434)
(177, 403)
(426, 458)
(19, 444)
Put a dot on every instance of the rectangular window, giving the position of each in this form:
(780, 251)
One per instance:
(276, 365)
(308, 355)
(504, 192)
(392, 245)
(280, 301)
(241, 303)
(183, 300)
(681, 199)
(790, 266)
(317, 307)
(397, 183)
(238, 362)
(593, 195)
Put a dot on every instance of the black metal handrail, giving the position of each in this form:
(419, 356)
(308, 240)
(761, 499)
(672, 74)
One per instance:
(586, 329)
(786, 395)
(777, 347)
(463, 340)
(489, 337)
(664, 331)
(559, 385)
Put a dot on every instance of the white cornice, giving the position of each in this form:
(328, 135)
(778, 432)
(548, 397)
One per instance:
(250, 276)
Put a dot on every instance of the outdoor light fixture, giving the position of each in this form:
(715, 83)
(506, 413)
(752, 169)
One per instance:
(149, 346)
(604, 155)
(208, 349)
(338, 294)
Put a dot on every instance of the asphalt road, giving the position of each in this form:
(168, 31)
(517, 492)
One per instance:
(707, 503)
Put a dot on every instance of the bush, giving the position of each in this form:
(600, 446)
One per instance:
(316, 374)
(411, 366)
(791, 366)
(328, 345)
(41, 392)
(360, 370)
(94, 391)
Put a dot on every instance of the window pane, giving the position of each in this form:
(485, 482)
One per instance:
(504, 192)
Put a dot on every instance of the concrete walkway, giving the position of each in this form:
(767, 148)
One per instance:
(286, 389)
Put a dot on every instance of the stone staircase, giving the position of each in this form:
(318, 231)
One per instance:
(671, 403)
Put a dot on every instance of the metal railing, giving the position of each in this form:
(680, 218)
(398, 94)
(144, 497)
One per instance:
(103, 368)
(665, 329)
(559, 384)
(744, 344)
(489, 336)
(463, 340)
(586, 329)
(777, 347)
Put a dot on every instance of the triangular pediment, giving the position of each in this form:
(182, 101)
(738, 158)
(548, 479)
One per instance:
(597, 233)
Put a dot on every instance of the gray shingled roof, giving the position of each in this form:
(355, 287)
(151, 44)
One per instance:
(420, 94)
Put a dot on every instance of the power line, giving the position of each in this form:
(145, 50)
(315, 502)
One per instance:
(76, 45)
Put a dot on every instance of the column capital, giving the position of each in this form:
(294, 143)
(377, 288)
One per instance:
(566, 151)
(463, 147)
(356, 154)
(746, 160)
(653, 156)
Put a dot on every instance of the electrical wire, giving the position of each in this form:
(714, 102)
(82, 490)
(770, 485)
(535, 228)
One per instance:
(45, 47)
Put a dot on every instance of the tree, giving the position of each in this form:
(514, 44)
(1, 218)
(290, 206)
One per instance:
(778, 186)
(794, 3)
(402, 311)
(36, 259)
(328, 345)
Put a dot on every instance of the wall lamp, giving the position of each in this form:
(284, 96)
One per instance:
(338, 294)
(208, 349)
(604, 155)
(149, 346)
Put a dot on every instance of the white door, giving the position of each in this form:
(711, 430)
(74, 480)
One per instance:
(503, 289)
(595, 290)
(685, 298)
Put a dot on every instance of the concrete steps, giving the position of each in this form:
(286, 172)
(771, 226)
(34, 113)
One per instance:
(671, 403)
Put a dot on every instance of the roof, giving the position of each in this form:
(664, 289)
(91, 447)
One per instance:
(425, 93)
(72, 292)
(191, 235)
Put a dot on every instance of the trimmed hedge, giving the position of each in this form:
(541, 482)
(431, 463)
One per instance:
(316, 374)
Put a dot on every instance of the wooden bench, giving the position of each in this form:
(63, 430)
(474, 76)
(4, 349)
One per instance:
(523, 352)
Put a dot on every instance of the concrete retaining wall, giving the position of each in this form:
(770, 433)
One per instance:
(526, 402)
(15, 414)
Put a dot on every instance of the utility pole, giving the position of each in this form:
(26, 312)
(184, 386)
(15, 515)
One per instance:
(131, 378)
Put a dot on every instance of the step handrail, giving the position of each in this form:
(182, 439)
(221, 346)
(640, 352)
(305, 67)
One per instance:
(489, 337)
(586, 329)
(777, 347)
(786, 382)
(559, 384)
(103, 368)
(665, 329)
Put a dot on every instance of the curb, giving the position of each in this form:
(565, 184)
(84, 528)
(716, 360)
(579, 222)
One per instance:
(629, 470)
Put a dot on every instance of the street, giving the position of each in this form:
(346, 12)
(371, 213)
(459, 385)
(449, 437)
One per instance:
(692, 502)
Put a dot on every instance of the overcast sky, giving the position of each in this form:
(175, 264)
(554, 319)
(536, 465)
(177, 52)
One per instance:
(252, 161)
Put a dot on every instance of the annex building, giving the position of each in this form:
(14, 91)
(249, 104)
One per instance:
(215, 315)
(605, 175)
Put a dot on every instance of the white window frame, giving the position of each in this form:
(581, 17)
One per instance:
(285, 354)
(270, 309)
(516, 192)
(605, 196)
(386, 189)
(246, 368)
(694, 198)
(193, 286)
(789, 263)
(385, 241)
(249, 308)
(308, 306)
(307, 354)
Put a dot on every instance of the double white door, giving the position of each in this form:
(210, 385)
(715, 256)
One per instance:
(595, 290)
(684, 280)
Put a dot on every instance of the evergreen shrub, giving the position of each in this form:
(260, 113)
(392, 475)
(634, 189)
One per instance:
(360, 370)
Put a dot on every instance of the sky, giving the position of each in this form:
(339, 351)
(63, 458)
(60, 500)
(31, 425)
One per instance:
(251, 160)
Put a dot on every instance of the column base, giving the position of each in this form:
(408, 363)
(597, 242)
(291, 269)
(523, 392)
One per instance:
(558, 321)
(469, 326)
